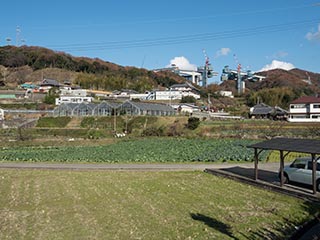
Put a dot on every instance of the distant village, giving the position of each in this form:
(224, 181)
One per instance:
(72, 100)
(75, 101)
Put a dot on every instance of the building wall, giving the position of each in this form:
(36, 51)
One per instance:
(301, 112)
(73, 92)
(69, 99)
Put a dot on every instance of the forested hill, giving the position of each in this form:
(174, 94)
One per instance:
(280, 87)
(94, 73)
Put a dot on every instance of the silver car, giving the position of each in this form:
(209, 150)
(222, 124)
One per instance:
(300, 171)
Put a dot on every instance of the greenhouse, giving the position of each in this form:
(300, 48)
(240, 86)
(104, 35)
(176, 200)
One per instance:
(140, 108)
(109, 108)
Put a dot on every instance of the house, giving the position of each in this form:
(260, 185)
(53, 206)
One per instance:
(184, 87)
(50, 82)
(69, 95)
(73, 99)
(68, 91)
(305, 109)
(262, 110)
(164, 95)
(225, 94)
(185, 108)
(47, 84)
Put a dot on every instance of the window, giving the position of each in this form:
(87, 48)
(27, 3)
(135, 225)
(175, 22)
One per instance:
(299, 116)
(299, 163)
(297, 106)
(316, 105)
(310, 166)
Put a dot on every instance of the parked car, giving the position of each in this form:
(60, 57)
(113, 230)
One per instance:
(300, 171)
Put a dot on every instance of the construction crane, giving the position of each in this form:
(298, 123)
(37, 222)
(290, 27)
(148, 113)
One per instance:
(199, 76)
(206, 70)
(239, 75)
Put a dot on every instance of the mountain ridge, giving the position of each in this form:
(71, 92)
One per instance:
(32, 63)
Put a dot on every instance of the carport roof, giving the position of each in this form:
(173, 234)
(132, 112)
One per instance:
(289, 144)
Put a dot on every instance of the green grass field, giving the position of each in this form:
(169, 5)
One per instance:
(64, 204)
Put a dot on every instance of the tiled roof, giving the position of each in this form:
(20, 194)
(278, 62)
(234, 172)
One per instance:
(306, 99)
(261, 109)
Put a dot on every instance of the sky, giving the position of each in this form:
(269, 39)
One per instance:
(259, 35)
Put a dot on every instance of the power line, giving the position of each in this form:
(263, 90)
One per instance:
(185, 38)
(179, 19)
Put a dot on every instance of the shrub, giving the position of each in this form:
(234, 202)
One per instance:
(54, 122)
(188, 99)
(193, 123)
(153, 131)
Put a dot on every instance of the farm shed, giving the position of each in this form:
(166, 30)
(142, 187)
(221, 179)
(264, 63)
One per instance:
(285, 146)
(139, 108)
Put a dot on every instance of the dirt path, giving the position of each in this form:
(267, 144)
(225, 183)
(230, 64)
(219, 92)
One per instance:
(135, 167)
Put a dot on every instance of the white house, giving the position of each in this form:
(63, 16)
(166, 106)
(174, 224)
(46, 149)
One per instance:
(164, 95)
(185, 108)
(176, 92)
(67, 91)
(73, 99)
(69, 95)
(305, 109)
(225, 94)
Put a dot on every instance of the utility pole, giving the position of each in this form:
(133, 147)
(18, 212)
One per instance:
(115, 121)
(239, 81)
(209, 103)
(18, 31)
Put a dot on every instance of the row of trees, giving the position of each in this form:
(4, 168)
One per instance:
(39, 58)
(95, 73)
(281, 96)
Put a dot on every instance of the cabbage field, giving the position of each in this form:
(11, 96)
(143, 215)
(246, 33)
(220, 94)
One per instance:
(142, 150)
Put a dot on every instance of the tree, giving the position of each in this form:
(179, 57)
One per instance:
(51, 96)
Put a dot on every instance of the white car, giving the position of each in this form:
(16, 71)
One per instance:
(300, 171)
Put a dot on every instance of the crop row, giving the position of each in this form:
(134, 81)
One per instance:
(145, 150)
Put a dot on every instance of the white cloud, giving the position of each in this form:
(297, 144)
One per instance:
(182, 63)
(281, 54)
(314, 36)
(277, 64)
(278, 55)
(222, 52)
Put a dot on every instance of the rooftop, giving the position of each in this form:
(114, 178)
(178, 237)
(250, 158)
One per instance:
(290, 144)
(306, 99)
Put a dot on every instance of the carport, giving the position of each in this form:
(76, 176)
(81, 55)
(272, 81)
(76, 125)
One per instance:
(285, 146)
